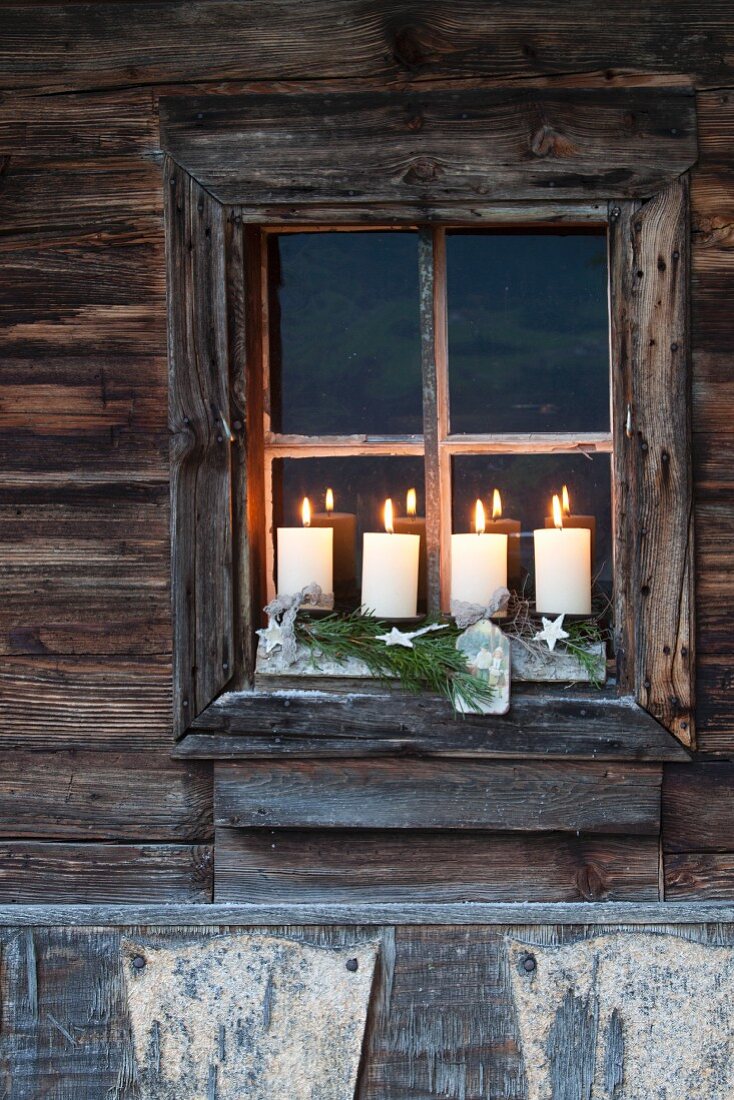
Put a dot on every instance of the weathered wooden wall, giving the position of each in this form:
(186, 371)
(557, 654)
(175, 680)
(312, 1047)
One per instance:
(93, 807)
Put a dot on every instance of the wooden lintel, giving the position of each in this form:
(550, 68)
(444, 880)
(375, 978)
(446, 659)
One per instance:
(428, 148)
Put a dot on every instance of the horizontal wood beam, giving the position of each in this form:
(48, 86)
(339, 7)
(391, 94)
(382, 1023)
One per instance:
(525, 914)
(446, 794)
(344, 865)
(433, 147)
(45, 872)
(580, 724)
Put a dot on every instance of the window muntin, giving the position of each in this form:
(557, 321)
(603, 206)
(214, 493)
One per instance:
(443, 450)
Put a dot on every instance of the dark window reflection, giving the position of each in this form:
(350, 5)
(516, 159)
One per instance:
(527, 484)
(360, 486)
(528, 332)
(344, 334)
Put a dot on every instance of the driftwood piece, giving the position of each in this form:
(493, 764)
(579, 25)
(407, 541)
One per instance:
(530, 664)
(610, 1017)
(247, 1015)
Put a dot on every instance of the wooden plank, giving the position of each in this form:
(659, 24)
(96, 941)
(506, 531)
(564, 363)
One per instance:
(199, 408)
(85, 569)
(653, 501)
(41, 872)
(71, 795)
(294, 216)
(368, 914)
(69, 47)
(698, 808)
(101, 124)
(417, 146)
(413, 794)
(571, 724)
(339, 866)
(85, 703)
(699, 876)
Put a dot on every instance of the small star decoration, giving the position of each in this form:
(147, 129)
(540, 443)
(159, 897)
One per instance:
(405, 638)
(272, 635)
(552, 632)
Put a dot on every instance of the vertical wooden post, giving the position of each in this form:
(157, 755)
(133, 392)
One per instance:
(432, 269)
(650, 246)
(201, 438)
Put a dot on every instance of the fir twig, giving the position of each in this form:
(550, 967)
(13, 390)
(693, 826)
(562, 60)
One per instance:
(432, 663)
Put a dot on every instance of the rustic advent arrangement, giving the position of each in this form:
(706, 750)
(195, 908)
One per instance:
(465, 656)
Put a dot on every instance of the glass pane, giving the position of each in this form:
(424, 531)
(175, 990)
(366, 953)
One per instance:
(344, 334)
(360, 486)
(526, 484)
(528, 332)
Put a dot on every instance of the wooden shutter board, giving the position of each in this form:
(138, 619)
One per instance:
(446, 794)
(650, 246)
(199, 408)
(433, 147)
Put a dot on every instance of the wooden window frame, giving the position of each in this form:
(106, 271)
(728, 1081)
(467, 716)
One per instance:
(216, 270)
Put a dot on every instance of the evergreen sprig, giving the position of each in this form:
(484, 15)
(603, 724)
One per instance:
(432, 663)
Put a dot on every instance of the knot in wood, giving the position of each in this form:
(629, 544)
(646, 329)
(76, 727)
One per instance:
(138, 962)
(422, 170)
(547, 142)
(590, 883)
(407, 49)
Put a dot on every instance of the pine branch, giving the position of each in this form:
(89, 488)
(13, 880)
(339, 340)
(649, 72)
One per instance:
(432, 663)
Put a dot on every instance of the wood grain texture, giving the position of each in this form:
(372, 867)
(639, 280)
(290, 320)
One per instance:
(85, 703)
(653, 497)
(47, 872)
(319, 865)
(84, 568)
(201, 484)
(691, 876)
(432, 147)
(70, 795)
(578, 724)
(448, 794)
(698, 808)
(66, 47)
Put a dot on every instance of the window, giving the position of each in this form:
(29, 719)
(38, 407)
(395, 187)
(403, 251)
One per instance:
(260, 186)
(516, 337)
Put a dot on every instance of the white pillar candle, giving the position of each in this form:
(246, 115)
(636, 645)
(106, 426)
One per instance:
(478, 563)
(305, 556)
(390, 572)
(562, 568)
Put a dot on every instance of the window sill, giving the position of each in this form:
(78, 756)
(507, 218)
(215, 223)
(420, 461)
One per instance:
(575, 723)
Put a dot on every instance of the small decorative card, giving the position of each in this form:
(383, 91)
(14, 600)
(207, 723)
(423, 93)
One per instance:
(487, 651)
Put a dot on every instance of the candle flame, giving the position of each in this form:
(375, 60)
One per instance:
(411, 502)
(329, 500)
(566, 501)
(306, 512)
(557, 514)
(496, 505)
(388, 516)
(479, 519)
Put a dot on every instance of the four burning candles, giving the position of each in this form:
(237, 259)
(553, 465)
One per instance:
(394, 562)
